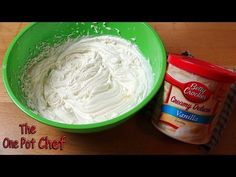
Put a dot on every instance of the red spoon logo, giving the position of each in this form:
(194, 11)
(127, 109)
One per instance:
(196, 92)
(193, 91)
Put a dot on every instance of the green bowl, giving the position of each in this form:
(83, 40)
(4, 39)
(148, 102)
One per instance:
(30, 41)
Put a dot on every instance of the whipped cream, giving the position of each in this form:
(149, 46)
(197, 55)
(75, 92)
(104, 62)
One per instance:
(93, 79)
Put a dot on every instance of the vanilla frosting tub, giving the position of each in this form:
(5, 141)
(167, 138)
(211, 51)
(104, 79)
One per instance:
(194, 93)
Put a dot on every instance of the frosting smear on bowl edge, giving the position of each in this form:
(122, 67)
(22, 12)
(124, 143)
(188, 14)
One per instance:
(93, 79)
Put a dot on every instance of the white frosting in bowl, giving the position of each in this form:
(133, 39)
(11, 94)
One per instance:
(91, 80)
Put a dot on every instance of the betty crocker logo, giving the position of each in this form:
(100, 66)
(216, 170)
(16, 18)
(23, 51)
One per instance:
(193, 91)
(196, 92)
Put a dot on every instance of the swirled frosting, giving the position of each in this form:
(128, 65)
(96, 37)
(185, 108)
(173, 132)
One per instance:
(92, 80)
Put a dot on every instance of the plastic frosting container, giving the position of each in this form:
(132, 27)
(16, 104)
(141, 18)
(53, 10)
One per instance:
(194, 93)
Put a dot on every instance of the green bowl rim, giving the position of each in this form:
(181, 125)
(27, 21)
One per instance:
(85, 126)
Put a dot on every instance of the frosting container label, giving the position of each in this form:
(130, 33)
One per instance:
(190, 105)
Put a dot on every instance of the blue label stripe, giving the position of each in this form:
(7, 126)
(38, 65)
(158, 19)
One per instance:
(181, 114)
